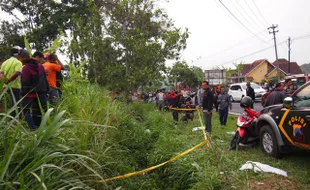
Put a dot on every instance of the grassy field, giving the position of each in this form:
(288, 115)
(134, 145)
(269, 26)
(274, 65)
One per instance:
(90, 137)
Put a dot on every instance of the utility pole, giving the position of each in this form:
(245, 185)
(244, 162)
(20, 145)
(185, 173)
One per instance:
(289, 55)
(273, 31)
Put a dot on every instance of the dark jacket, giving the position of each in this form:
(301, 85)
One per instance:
(275, 97)
(207, 101)
(250, 92)
(33, 78)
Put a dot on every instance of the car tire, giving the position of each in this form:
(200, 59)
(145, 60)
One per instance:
(268, 142)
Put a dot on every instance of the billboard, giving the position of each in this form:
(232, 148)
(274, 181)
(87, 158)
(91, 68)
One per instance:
(215, 77)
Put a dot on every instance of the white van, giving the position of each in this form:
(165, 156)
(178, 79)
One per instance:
(238, 91)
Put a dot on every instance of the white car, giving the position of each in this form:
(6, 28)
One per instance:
(238, 91)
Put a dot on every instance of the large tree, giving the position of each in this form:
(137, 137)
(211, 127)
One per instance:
(134, 37)
(180, 72)
(40, 21)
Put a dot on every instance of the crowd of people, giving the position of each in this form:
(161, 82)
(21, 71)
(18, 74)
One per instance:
(210, 98)
(187, 101)
(31, 81)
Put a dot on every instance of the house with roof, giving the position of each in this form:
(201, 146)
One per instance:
(262, 69)
(285, 68)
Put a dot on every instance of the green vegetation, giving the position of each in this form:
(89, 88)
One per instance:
(305, 68)
(98, 138)
(181, 72)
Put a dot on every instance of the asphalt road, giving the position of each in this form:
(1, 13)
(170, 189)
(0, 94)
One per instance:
(236, 109)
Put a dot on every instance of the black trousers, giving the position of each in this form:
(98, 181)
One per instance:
(175, 115)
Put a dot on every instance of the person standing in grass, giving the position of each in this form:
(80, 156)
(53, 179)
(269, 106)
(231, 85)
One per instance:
(51, 67)
(224, 102)
(207, 105)
(161, 100)
(173, 102)
(34, 89)
(10, 73)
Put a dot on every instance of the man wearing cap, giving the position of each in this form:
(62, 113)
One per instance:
(10, 73)
(51, 67)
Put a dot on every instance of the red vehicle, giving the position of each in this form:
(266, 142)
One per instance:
(245, 132)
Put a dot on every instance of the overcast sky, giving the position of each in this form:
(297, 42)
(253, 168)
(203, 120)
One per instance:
(218, 39)
(213, 29)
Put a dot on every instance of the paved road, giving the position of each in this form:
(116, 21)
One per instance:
(237, 109)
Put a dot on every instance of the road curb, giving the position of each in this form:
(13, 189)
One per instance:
(234, 113)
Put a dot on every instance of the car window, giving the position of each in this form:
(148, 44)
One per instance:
(305, 92)
(233, 88)
(238, 87)
(303, 97)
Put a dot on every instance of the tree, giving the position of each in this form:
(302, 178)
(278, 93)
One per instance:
(182, 73)
(239, 68)
(135, 37)
(42, 21)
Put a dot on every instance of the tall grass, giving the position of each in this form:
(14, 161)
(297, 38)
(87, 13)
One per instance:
(90, 136)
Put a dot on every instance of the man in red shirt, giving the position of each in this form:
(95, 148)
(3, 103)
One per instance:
(51, 67)
(173, 102)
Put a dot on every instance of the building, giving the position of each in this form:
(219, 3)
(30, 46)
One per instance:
(215, 77)
(284, 69)
(262, 69)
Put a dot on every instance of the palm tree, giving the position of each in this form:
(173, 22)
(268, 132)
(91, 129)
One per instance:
(239, 67)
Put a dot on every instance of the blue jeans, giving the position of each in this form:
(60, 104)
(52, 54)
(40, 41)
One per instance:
(53, 96)
(32, 110)
(223, 116)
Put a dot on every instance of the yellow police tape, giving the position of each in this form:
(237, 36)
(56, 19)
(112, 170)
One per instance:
(157, 166)
(183, 109)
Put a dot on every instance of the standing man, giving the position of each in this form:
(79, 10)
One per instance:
(288, 89)
(207, 105)
(51, 67)
(35, 88)
(173, 102)
(199, 95)
(224, 102)
(277, 96)
(250, 92)
(10, 73)
(161, 99)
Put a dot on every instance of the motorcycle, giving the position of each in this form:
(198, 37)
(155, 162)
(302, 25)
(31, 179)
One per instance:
(245, 132)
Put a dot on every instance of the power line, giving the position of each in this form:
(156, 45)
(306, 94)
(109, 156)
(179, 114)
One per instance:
(255, 14)
(253, 53)
(260, 13)
(240, 21)
(226, 49)
(248, 15)
(301, 37)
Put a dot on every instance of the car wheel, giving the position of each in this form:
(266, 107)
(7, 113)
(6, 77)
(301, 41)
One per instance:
(268, 142)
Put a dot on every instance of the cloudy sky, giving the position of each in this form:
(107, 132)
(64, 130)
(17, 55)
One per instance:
(217, 38)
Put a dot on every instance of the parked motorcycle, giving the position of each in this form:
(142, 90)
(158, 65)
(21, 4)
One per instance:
(245, 132)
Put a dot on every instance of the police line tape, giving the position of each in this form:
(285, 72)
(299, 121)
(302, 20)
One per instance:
(157, 166)
(184, 109)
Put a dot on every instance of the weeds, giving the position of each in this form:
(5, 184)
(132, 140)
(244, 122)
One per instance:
(98, 137)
